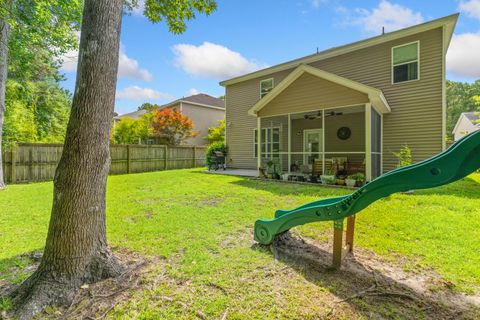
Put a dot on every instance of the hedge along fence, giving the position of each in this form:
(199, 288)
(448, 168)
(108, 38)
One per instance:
(33, 162)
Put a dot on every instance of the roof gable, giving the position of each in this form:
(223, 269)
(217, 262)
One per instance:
(375, 95)
(470, 117)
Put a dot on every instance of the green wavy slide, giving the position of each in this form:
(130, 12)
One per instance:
(458, 161)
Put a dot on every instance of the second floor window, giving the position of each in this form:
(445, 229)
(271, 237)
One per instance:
(405, 62)
(265, 87)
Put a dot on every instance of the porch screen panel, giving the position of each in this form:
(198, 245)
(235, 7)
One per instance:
(376, 144)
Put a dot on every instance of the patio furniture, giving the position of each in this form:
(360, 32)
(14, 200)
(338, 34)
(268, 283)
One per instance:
(217, 161)
(317, 167)
(340, 166)
(355, 167)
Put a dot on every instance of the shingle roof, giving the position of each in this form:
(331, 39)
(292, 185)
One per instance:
(472, 116)
(203, 98)
(200, 98)
(133, 115)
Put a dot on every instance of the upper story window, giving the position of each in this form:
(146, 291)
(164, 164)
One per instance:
(265, 87)
(405, 62)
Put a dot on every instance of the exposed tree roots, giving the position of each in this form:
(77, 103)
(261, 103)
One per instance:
(45, 287)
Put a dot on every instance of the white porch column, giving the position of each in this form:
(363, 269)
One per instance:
(381, 143)
(368, 141)
(289, 142)
(259, 144)
(323, 141)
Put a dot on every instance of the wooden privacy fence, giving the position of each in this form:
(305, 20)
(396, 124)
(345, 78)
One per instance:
(32, 162)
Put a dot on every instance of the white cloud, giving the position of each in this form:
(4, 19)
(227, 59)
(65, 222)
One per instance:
(462, 56)
(138, 10)
(69, 61)
(138, 93)
(211, 60)
(471, 8)
(192, 92)
(127, 67)
(389, 15)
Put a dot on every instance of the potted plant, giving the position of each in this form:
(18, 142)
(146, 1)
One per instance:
(328, 177)
(270, 169)
(360, 177)
(273, 170)
(351, 180)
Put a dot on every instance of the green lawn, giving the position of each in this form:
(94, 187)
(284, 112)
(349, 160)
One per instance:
(199, 226)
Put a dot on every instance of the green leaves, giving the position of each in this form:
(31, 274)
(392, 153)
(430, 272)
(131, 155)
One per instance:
(175, 13)
(35, 112)
(132, 131)
(460, 98)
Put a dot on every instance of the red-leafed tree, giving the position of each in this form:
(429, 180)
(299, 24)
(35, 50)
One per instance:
(172, 126)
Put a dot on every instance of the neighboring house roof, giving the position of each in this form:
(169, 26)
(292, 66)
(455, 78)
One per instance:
(200, 99)
(473, 117)
(447, 22)
(133, 115)
(375, 95)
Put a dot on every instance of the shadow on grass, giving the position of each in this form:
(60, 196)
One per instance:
(465, 188)
(14, 270)
(368, 292)
(285, 188)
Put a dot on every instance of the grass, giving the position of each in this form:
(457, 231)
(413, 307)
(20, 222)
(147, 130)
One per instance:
(200, 227)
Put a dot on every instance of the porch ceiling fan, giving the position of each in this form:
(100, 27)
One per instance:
(319, 115)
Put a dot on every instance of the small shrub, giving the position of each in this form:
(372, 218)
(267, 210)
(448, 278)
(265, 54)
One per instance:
(404, 156)
(359, 176)
(216, 146)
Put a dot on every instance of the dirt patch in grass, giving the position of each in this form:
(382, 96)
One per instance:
(93, 301)
(367, 286)
(374, 286)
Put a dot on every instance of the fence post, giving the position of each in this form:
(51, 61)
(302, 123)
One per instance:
(165, 167)
(128, 159)
(13, 171)
(194, 156)
(30, 165)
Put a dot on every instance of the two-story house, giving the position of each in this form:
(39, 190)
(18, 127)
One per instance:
(361, 102)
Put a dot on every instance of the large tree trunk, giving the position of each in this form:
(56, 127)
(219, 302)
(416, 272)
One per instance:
(76, 250)
(4, 36)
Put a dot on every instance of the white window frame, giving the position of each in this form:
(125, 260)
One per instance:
(399, 64)
(322, 147)
(264, 80)
(268, 142)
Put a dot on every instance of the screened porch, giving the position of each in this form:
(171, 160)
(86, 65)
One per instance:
(341, 142)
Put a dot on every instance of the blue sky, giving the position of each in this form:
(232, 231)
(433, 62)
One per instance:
(246, 35)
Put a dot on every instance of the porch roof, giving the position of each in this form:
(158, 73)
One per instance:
(375, 95)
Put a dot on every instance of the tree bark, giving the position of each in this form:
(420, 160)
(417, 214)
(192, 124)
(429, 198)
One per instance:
(4, 37)
(76, 250)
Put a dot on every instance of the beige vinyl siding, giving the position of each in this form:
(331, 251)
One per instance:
(202, 118)
(309, 92)
(240, 97)
(416, 117)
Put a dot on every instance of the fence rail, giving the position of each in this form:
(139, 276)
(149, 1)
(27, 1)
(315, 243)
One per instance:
(34, 162)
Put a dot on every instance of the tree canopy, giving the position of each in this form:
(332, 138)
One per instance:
(217, 134)
(172, 126)
(461, 97)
